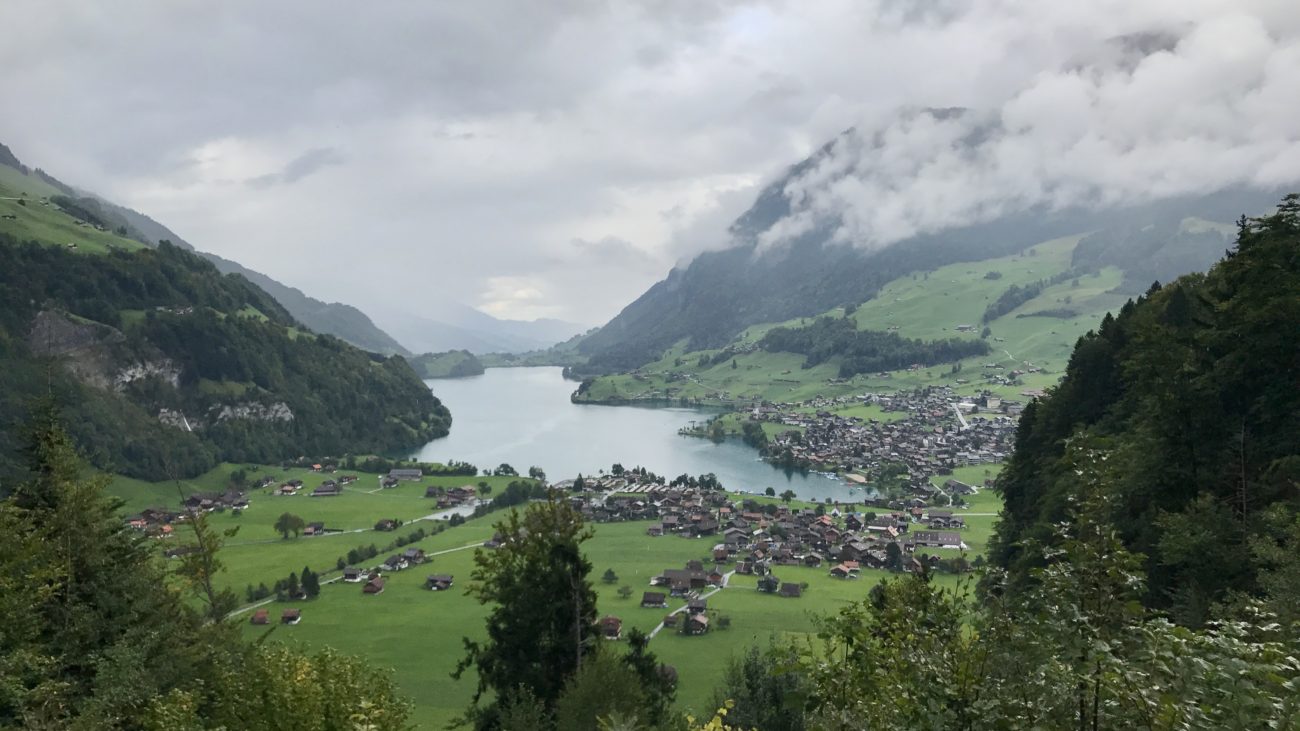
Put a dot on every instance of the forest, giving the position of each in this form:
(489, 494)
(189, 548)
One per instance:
(236, 355)
(865, 351)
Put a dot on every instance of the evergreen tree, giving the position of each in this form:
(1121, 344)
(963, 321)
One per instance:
(542, 618)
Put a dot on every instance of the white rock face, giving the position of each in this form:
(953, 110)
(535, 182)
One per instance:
(163, 369)
(278, 411)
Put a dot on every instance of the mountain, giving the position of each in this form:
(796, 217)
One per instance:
(164, 365)
(452, 364)
(333, 318)
(458, 327)
(720, 293)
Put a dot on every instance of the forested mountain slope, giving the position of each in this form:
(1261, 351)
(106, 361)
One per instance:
(1192, 394)
(166, 366)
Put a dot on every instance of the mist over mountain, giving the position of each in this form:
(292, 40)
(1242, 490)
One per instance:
(786, 262)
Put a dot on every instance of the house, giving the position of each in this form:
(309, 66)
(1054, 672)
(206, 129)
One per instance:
(611, 628)
(414, 556)
(720, 553)
(261, 616)
(329, 488)
(697, 606)
(791, 590)
(438, 582)
(291, 616)
(697, 624)
(716, 576)
(434, 491)
(288, 489)
(655, 530)
(406, 474)
(386, 524)
(812, 560)
(670, 620)
(395, 562)
(937, 539)
(374, 586)
(353, 575)
(313, 529)
(654, 600)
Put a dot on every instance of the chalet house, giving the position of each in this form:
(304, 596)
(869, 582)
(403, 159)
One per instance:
(374, 586)
(414, 556)
(438, 582)
(386, 524)
(716, 576)
(329, 488)
(611, 628)
(387, 482)
(353, 575)
(720, 553)
(670, 620)
(654, 600)
(697, 606)
(434, 491)
(260, 616)
(812, 560)
(697, 624)
(291, 616)
(288, 489)
(792, 590)
(655, 530)
(347, 479)
(843, 572)
(313, 529)
(745, 567)
(406, 474)
(937, 539)
(395, 562)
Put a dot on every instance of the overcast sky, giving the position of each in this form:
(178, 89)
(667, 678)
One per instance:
(553, 159)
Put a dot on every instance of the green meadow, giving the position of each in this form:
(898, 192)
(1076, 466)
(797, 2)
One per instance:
(926, 305)
(45, 222)
(418, 633)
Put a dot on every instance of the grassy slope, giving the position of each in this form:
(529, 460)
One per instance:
(920, 306)
(46, 223)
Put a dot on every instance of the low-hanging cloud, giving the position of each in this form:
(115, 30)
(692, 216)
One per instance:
(1176, 106)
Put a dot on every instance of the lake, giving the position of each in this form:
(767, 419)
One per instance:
(523, 416)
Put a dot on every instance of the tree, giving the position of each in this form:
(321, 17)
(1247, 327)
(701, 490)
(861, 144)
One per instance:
(770, 492)
(609, 577)
(893, 557)
(289, 523)
(766, 689)
(625, 592)
(310, 583)
(505, 470)
(787, 496)
(542, 618)
(604, 686)
(537, 473)
(291, 587)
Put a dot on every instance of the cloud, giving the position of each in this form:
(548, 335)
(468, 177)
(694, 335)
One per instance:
(1177, 104)
(300, 167)
(557, 158)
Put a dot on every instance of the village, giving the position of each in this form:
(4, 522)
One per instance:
(935, 432)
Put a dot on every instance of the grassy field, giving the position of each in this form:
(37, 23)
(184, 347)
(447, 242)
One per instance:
(924, 305)
(45, 222)
(418, 633)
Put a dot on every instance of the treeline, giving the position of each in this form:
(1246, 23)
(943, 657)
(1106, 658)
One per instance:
(1016, 295)
(97, 635)
(241, 366)
(451, 364)
(1190, 393)
(865, 351)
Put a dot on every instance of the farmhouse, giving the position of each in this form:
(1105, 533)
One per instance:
(937, 539)
(260, 616)
(291, 616)
(792, 590)
(328, 488)
(611, 628)
(386, 524)
(406, 474)
(374, 586)
(353, 575)
(438, 582)
(414, 556)
(395, 562)
(654, 600)
(697, 624)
